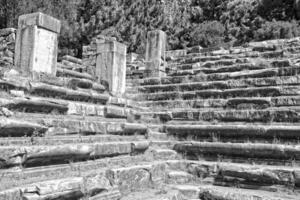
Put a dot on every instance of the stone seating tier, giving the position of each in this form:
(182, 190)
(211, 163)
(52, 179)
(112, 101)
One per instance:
(222, 124)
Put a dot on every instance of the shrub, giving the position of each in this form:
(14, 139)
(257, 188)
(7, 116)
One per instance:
(277, 30)
(208, 34)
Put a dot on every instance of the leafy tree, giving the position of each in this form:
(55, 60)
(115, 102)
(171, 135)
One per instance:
(186, 22)
(209, 34)
(277, 30)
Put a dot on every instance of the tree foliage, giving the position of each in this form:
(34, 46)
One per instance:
(186, 22)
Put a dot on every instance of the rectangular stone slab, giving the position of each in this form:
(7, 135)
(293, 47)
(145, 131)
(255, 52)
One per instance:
(245, 150)
(111, 65)
(36, 44)
(41, 20)
(155, 53)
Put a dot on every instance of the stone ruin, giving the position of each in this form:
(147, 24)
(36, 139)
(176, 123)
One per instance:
(210, 124)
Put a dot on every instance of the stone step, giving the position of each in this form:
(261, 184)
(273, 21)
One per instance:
(270, 115)
(221, 66)
(269, 91)
(156, 135)
(73, 65)
(286, 52)
(198, 57)
(61, 72)
(98, 183)
(235, 132)
(57, 83)
(163, 154)
(228, 84)
(15, 177)
(179, 177)
(141, 176)
(252, 74)
(226, 193)
(233, 103)
(17, 128)
(241, 152)
(33, 104)
(68, 65)
(42, 155)
(202, 62)
(45, 90)
(73, 83)
(70, 139)
(279, 114)
(154, 194)
(68, 188)
(72, 59)
(258, 177)
(192, 122)
(83, 125)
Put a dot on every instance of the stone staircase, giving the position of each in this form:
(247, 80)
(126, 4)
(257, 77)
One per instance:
(233, 118)
(66, 137)
(222, 125)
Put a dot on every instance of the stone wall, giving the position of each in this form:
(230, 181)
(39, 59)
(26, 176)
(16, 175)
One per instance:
(7, 47)
(89, 51)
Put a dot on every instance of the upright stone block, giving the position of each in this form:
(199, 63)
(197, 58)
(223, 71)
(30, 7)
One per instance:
(37, 44)
(111, 65)
(155, 53)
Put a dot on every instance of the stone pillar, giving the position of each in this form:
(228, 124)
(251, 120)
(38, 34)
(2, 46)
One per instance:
(37, 44)
(111, 65)
(297, 8)
(155, 53)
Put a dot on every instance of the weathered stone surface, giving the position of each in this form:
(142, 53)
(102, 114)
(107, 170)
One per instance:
(188, 191)
(259, 175)
(193, 85)
(247, 115)
(164, 154)
(245, 150)
(136, 177)
(115, 112)
(73, 66)
(72, 59)
(15, 128)
(111, 195)
(132, 177)
(7, 31)
(224, 193)
(68, 127)
(234, 131)
(71, 73)
(139, 147)
(155, 53)
(136, 129)
(12, 194)
(64, 93)
(41, 20)
(36, 45)
(36, 105)
(29, 156)
(155, 194)
(111, 65)
(85, 109)
(179, 177)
